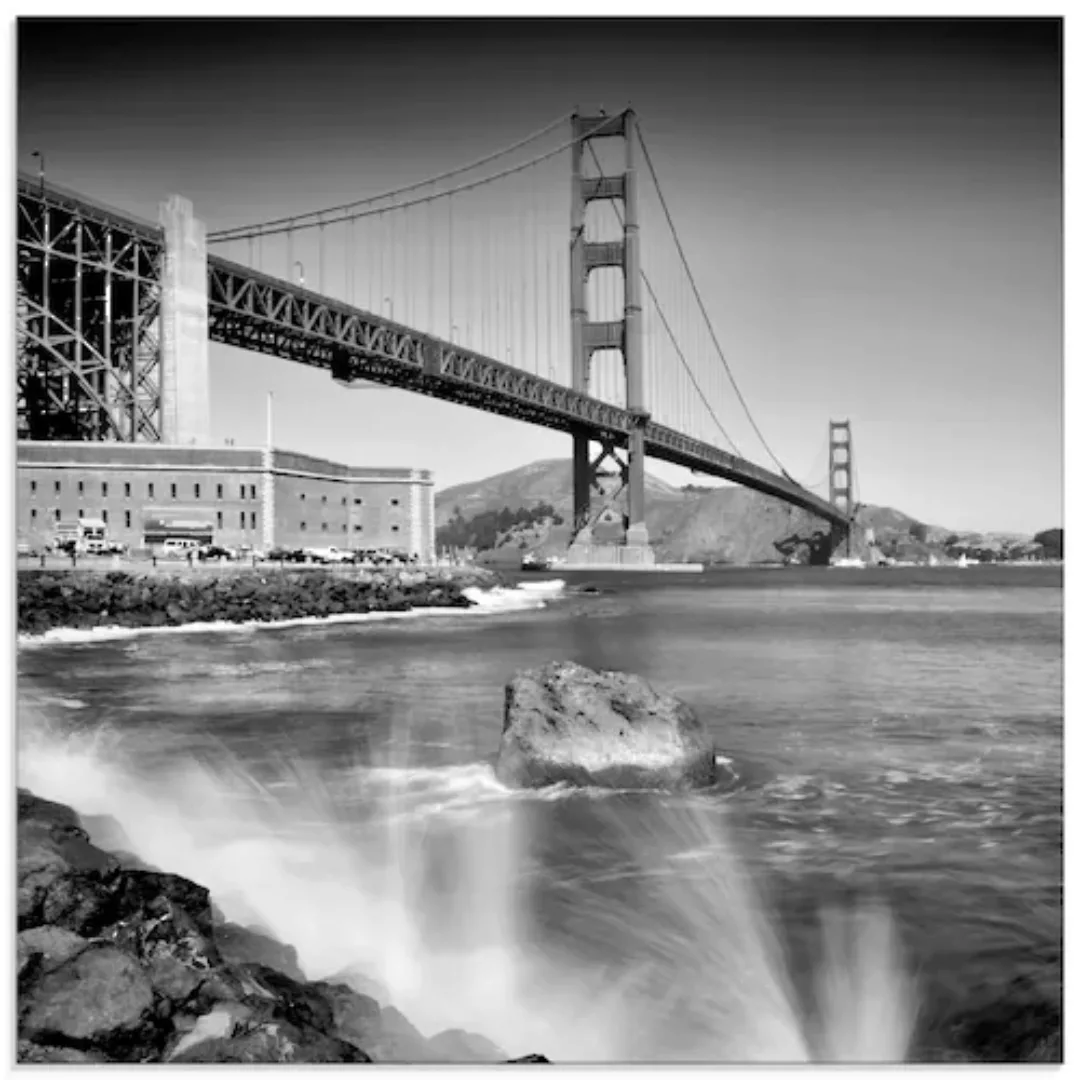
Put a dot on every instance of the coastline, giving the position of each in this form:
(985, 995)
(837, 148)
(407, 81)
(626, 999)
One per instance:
(70, 606)
(118, 961)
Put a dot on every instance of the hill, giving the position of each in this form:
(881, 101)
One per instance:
(727, 524)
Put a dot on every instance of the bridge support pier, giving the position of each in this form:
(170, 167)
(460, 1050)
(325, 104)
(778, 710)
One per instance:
(185, 327)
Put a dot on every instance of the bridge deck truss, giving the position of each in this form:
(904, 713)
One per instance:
(254, 311)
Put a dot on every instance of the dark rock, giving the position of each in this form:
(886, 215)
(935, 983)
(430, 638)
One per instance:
(63, 880)
(299, 1003)
(164, 921)
(566, 723)
(455, 1046)
(94, 998)
(529, 1059)
(241, 945)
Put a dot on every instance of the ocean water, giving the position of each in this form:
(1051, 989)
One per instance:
(882, 852)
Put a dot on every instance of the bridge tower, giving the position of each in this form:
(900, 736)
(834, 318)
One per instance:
(840, 472)
(587, 337)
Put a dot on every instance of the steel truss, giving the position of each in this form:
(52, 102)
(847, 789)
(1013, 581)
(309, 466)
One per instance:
(254, 311)
(88, 294)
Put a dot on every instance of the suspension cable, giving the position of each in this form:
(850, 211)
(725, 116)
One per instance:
(667, 327)
(241, 231)
(290, 227)
(701, 305)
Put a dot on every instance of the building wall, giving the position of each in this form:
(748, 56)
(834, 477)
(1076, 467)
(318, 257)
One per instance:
(315, 503)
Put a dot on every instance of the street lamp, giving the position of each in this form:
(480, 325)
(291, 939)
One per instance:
(389, 301)
(41, 167)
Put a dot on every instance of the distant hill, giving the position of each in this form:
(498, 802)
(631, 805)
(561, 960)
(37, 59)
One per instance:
(727, 524)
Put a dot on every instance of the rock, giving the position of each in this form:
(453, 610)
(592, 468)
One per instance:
(456, 1046)
(164, 921)
(529, 1059)
(97, 997)
(242, 945)
(32, 1054)
(357, 1017)
(63, 880)
(276, 1043)
(218, 1023)
(44, 948)
(566, 723)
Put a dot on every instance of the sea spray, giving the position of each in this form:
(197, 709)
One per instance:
(426, 881)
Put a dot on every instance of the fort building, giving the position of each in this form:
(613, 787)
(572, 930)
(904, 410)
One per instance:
(235, 497)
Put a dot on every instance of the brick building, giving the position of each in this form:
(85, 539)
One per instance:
(239, 496)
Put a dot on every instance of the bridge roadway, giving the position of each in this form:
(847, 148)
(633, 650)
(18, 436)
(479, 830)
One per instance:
(251, 310)
(254, 311)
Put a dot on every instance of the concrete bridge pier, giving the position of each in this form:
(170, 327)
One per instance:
(185, 327)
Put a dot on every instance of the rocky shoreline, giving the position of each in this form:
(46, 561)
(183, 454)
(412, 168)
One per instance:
(118, 962)
(51, 600)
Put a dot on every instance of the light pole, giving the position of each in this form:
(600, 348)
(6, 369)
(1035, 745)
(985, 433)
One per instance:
(389, 301)
(299, 264)
(41, 168)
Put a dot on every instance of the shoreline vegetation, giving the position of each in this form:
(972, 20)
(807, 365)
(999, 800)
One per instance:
(119, 962)
(88, 599)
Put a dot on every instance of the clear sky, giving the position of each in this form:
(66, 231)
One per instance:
(873, 212)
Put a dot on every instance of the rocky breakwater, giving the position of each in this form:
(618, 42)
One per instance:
(122, 964)
(49, 600)
(565, 723)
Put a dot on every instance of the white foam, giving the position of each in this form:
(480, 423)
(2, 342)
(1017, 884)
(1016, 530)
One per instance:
(492, 601)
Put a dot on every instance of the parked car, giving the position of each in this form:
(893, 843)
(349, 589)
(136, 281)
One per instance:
(214, 551)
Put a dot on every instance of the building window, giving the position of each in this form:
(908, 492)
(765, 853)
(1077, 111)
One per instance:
(104, 490)
(127, 491)
(253, 519)
(56, 487)
(324, 526)
(220, 520)
(243, 520)
(150, 490)
(172, 490)
(33, 487)
(80, 487)
(395, 502)
(358, 528)
(303, 526)
(220, 490)
(395, 528)
(254, 492)
(105, 516)
(243, 490)
(33, 513)
(198, 491)
(344, 528)
(303, 496)
(56, 512)
(344, 501)
(127, 519)
(358, 502)
(80, 513)
(324, 500)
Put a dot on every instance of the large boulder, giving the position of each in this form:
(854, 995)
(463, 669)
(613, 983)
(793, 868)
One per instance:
(565, 723)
